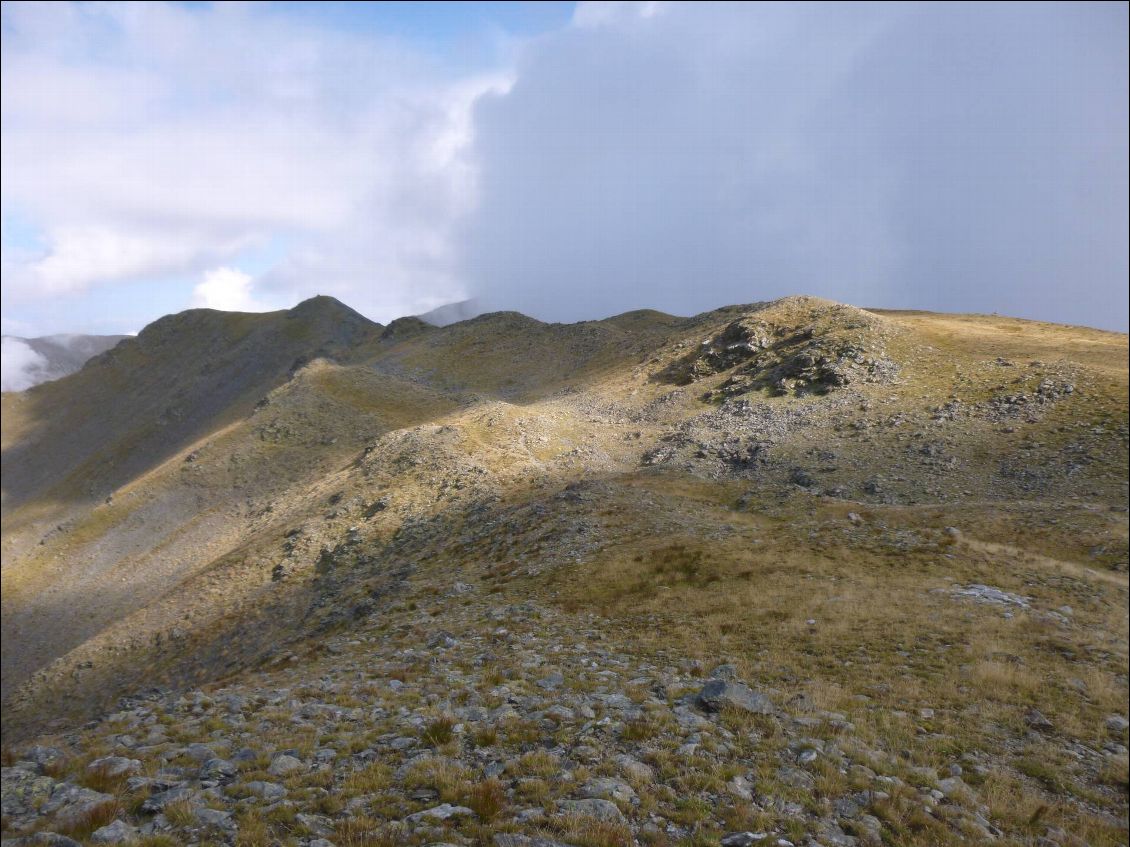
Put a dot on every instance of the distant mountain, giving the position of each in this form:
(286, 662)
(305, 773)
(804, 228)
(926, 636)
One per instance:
(452, 313)
(30, 361)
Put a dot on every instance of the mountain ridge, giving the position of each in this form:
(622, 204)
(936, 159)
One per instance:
(771, 485)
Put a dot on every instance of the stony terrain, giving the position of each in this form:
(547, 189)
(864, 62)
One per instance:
(787, 573)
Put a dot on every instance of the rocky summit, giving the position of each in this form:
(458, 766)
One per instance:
(786, 573)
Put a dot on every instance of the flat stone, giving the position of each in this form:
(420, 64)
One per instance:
(283, 764)
(218, 770)
(609, 788)
(70, 804)
(157, 802)
(118, 832)
(41, 839)
(114, 766)
(441, 813)
(215, 818)
(604, 810)
(992, 595)
(720, 694)
(743, 839)
(269, 791)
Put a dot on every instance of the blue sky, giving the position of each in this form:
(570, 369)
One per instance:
(570, 161)
(435, 25)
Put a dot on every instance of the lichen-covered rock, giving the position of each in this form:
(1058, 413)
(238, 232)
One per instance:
(719, 694)
(157, 802)
(604, 810)
(41, 839)
(441, 813)
(70, 804)
(284, 764)
(114, 766)
(118, 832)
(23, 791)
(218, 771)
(609, 788)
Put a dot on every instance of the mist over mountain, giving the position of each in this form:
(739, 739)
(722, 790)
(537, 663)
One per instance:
(451, 313)
(29, 361)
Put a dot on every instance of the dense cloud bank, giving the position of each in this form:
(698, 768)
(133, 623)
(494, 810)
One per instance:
(29, 361)
(951, 157)
(959, 157)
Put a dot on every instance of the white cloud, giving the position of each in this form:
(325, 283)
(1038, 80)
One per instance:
(669, 155)
(112, 253)
(226, 289)
(19, 365)
(610, 12)
(155, 140)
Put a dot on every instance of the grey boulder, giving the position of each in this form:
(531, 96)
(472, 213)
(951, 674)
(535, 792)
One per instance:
(719, 694)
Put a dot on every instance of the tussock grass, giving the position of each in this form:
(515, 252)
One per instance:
(485, 736)
(180, 813)
(446, 776)
(586, 831)
(369, 780)
(487, 799)
(439, 731)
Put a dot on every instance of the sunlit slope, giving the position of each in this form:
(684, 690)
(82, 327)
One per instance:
(362, 459)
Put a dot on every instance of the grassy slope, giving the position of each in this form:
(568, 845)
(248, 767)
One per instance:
(470, 428)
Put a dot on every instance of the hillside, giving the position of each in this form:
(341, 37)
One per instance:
(798, 570)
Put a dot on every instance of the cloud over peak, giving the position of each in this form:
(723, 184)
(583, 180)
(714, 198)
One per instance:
(226, 289)
(149, 141)
(667, 155)
(964, 158)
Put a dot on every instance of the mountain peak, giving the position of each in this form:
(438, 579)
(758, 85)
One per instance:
(322, 304)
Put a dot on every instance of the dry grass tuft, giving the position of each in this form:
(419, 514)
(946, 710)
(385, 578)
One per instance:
(487, 799)
(585, 831)
(438, 732)
(369, 780)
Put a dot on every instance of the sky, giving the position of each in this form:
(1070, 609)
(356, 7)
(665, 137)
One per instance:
(571, 161)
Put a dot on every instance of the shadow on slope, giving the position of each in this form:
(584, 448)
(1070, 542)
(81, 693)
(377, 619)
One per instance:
(162, 528)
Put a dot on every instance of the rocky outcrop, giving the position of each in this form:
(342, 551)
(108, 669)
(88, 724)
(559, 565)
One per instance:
(797, 346)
